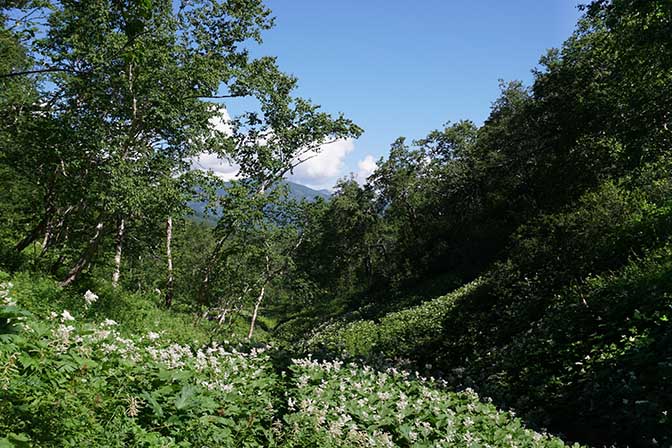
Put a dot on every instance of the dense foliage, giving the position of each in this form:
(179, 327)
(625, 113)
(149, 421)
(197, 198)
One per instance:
(527, 260)
(68, 380)
(556, 216)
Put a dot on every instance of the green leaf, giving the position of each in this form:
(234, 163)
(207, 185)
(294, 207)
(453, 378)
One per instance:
(183, 399)
(153, 403)
(15, 441)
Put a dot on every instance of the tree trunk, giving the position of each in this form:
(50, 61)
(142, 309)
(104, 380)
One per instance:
(202, 295)
(57, 264)
(256, 311)
(42, 225)
(32, 236)
(169, 256)
(47, 236)
(222, 316)
(205, 283)
(86, 257)
(117, 254)
(54, 232)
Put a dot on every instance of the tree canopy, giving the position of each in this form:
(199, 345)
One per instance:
(526, 258)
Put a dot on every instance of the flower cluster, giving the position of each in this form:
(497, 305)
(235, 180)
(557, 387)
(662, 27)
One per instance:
(6, 299)
(344, 404)
(89, 298)
(105, 339)
(352, 405)
(221, 395)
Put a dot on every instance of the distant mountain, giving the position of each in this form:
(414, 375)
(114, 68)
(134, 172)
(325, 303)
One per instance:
(297, 192)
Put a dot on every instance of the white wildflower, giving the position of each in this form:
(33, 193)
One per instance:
(152, 336)
(66, 316)
(99, 335)
(62, 337)
(413, 436)
(335, 429)
(89, 298)
(307, 405)
(109, 348)
(4, 294)
(134, 406)
(303, 380)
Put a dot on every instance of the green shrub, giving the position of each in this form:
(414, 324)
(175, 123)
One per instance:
(68, 378)
(572, 329)
(67, 383)
(339, 405)
(397, 334)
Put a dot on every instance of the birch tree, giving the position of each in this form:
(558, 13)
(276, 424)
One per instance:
(127, 89)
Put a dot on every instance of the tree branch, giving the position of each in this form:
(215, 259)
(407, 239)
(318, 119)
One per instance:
(233, 95)
(33, 72)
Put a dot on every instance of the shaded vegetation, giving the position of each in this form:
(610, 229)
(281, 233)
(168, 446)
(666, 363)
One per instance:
(527, 259)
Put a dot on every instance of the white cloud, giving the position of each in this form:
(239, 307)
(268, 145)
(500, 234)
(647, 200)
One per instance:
(221, 168)
(221, 122)
(322, 170)
(210, 162)
(366, 167)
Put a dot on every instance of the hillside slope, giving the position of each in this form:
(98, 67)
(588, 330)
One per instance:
(70, 378)
(572, 329)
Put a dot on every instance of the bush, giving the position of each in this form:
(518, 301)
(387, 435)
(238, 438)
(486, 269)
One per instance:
(69, 383)
(67, 380)
(339, 405)
(572, 329)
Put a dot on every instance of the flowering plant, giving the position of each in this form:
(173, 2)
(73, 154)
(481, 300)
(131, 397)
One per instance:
(71, 382)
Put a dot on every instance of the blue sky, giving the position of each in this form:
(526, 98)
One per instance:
(401, 68)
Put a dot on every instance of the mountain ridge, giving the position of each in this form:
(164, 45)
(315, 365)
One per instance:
(296, 191)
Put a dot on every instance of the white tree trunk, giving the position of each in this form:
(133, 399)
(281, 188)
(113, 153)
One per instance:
(169, 256)
(256, 311)
(117, 254)
(222, 316)
(47, 236)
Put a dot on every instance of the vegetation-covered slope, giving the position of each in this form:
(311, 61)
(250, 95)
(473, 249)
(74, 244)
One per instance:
(69, 380)
(528, 258)
(572, 329)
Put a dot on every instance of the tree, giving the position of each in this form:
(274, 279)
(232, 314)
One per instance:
(343, 251)
(257, 254)
(126, 89)
(17, 94)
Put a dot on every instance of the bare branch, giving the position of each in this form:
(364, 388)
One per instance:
(233, 95)
(37, 71)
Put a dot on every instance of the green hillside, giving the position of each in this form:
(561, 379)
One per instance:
(160, 378)
(504, 284)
